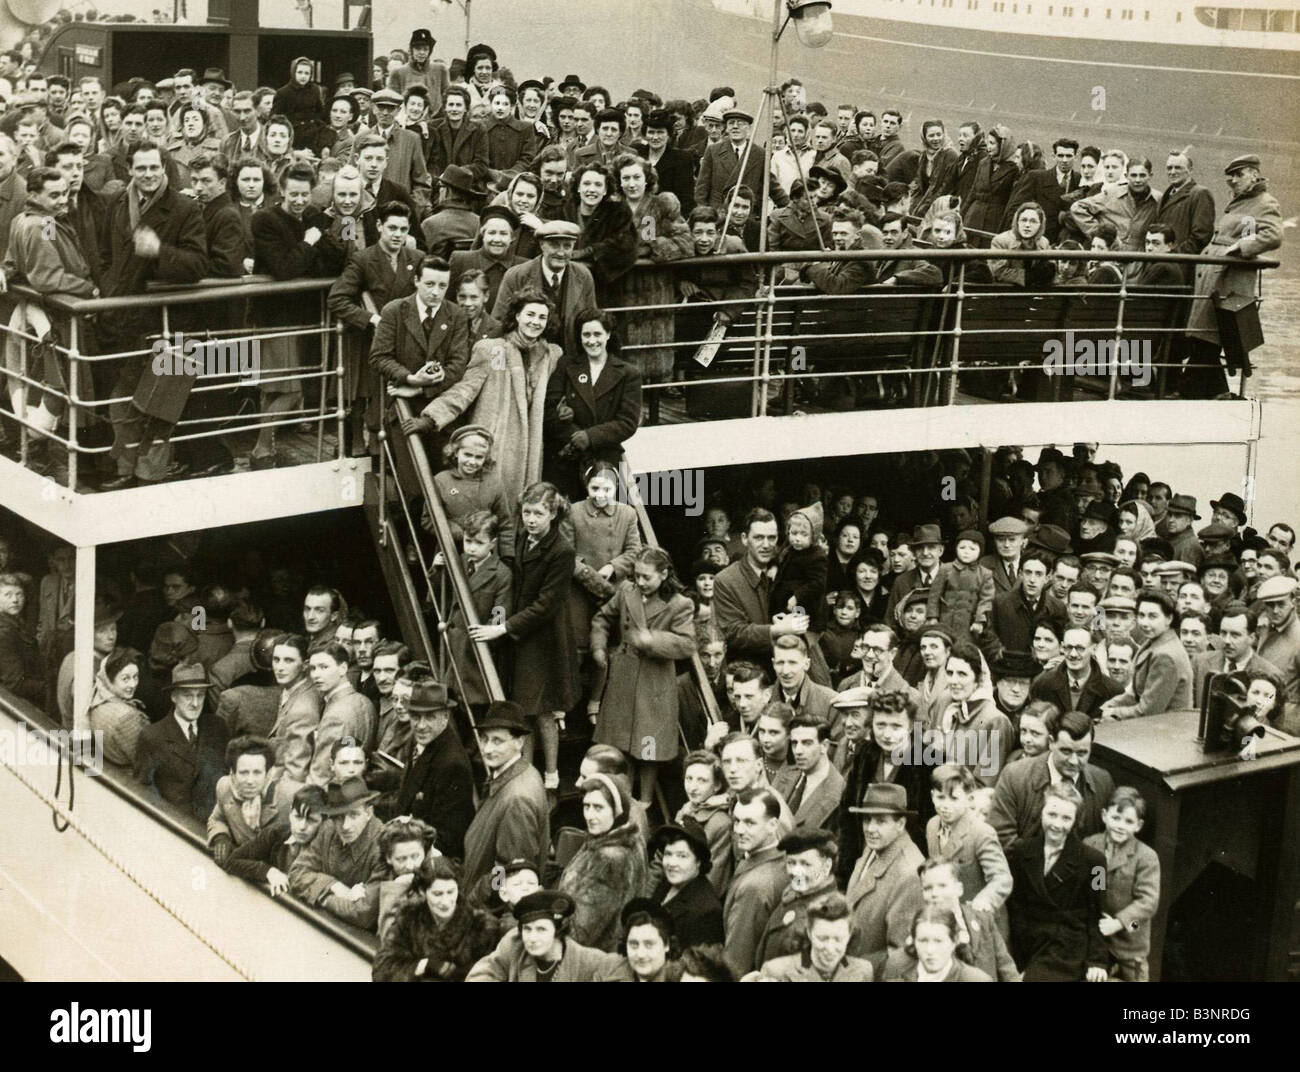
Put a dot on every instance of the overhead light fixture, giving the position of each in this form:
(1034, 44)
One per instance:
(812, 21)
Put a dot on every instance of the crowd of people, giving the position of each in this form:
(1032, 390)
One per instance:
(892, 779)
(508, 187)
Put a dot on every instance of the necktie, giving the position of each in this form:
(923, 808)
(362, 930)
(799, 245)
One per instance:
(192, 733)
(871, 859)
(796, 798)
(428, 326)
(248, 146)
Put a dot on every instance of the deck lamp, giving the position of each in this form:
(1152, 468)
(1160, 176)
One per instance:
(812, 21)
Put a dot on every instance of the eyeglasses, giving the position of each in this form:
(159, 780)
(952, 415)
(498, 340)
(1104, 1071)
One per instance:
(1074, 649)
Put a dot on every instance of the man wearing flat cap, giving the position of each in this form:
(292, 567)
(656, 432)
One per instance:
(344, 856)
(810, 857)
(1009, 537)
(884, 891)
(1279, 641)
(181, 758)
(513, 819)
(569, 286)
(1251, 225)
(405, 162)
(720, 168)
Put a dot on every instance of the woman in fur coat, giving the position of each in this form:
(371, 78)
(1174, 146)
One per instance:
(610, 868)
(436, 936)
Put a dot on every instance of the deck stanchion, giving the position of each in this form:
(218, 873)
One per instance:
(74, 402)
(956, 332)
(1113, 388)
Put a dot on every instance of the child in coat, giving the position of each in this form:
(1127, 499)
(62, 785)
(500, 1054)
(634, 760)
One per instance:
(801, 575)
(544, 677)
(982, 945)
(839, 643)
(469, 483)
(1132, 884)
(489, 585)
(956, 833)
(961, 597)
(654, 624)
(702, 574)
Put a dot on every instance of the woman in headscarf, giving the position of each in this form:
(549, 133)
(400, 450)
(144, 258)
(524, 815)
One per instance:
(610, 868)
(193, 140)
(1135, 520)
(302, 102)
(115, 714)
(996, 175)
(1028, 231)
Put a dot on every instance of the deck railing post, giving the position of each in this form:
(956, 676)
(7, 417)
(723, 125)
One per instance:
(23, 438)
(956, 333)
(383, 485)
(1113, 389)
(74, 400)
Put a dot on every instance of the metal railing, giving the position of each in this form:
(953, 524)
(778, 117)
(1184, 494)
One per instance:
(77, 316)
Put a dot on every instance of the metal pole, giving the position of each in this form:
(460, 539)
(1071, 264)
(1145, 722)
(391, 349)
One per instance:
(21, 411)
(956, 332)
(468, 4)
(83, 635)
(767, 149)
(74, 361)
(1119, 335)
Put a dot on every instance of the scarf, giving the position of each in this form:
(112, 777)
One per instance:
(134, 211)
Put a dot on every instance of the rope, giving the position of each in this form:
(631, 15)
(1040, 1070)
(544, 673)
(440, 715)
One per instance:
(71, 821)
(65, 753)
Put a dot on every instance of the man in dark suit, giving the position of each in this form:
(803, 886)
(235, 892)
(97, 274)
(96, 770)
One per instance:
(1047, 186)
(1186, 206)
(1160, 238)
(742, 590)
(421, 342)
(570, 287)
(405, 162)
(154, 235)
(675, 167)
(927, 544)
(1237, 627)
(248, 140)
(87, 210)
(455, 138)
(371, 160)
(1055, 904)
(497, 228)
(1077, 683)
(1016, 613)
(1016, 812)
(181, 758)
(720, 167)
(1009, 536)
(386, 271)
(437, 783)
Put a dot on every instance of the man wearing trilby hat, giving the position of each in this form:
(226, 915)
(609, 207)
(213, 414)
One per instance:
(720, 168)
(344, 855)
(884, 890)
(181, 758)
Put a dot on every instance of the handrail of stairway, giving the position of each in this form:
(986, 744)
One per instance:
(38, 722)
(455, 570)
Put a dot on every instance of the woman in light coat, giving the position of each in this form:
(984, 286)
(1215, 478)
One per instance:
(654, 623)
(1028, 227)
(512, 406)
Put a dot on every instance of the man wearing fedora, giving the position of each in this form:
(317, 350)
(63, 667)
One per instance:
(720, 167)
(569, 286)
(437, 782)
(344, 855)
(422, 70)
(455, 220)
(513, 819)
(1077, 683)
(884, 890)
(1178, 529)
(927, 545)
(181, 758)
(405, 165)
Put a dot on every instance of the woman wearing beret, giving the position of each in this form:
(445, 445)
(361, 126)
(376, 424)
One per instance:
(682, 855)
(610, 868)
(436, 936)
(540, 950)
(648, 942)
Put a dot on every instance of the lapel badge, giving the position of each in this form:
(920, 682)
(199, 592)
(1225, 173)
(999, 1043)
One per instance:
(582, 378)
(788, 918)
